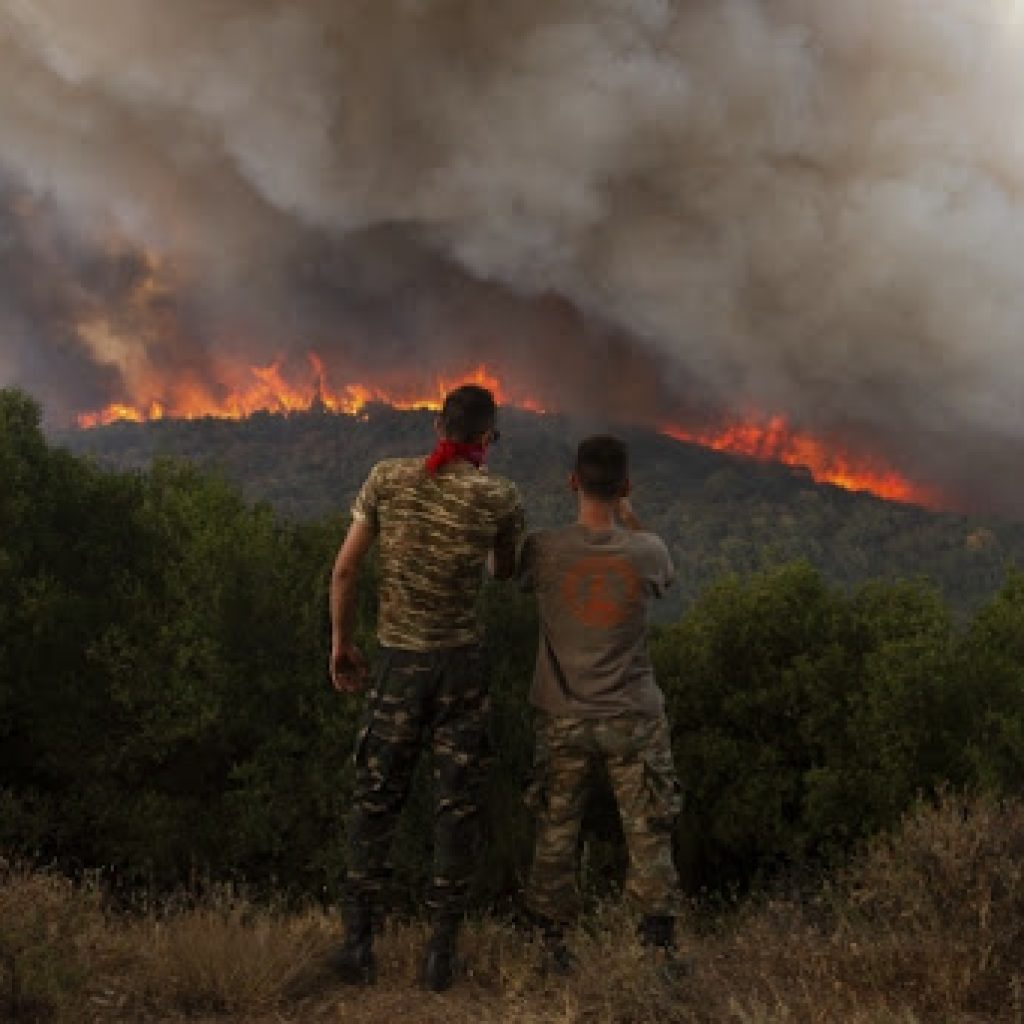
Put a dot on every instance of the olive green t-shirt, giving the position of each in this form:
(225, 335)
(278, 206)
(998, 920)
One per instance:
(594, 590)
(434, 533)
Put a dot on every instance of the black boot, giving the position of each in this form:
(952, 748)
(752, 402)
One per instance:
(558, 959)
(439, 957)
(657, 933)
(354, 963)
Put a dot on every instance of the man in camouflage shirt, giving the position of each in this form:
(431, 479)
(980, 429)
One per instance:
(436, 523)
(597, 700)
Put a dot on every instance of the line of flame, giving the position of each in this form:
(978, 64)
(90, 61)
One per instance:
(773, 440)
(268, 389)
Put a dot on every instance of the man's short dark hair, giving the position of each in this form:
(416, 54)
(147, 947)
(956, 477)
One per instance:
(602, 466)
(468, 413)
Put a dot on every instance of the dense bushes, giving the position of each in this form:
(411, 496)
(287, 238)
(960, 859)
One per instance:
(165, 712)
(163, 704)
(806, 718)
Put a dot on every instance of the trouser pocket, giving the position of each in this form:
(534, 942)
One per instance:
(663, 792)
(664, 795)
(535, 796)
(374, 697)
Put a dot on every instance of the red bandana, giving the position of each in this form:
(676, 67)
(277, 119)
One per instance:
(449, 451)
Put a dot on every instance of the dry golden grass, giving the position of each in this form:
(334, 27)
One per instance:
(927, 926)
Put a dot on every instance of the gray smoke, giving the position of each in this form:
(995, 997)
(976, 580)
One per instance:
(699, 208)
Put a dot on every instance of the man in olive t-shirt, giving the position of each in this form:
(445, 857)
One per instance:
(596, 697)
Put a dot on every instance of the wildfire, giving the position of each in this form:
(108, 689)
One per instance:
(775, 441)
(269, 388)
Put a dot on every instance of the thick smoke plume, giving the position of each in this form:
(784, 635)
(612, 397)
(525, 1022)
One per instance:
(703, 208)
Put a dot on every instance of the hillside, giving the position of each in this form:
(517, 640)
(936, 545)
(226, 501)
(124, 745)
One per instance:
(720, 513)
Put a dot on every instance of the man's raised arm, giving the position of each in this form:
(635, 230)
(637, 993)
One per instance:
(348, 666)
(629, 519)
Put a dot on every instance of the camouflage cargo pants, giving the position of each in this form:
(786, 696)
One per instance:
(435, 700)
(637, 754)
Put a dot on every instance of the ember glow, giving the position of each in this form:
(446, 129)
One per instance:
(270, 388)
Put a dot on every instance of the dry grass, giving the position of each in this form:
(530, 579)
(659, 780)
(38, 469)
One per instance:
(927, 926)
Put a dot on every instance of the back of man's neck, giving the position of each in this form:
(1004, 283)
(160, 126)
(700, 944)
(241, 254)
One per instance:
(596, 516)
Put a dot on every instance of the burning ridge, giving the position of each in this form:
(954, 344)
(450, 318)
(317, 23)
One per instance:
(269, 388)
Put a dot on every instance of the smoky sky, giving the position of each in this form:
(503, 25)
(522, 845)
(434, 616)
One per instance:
(684, 210)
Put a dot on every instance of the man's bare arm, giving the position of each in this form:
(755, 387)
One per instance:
(627, 516)
(347, 666)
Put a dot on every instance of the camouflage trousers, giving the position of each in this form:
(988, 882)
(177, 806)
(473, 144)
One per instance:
(637, 754)
(435, 700)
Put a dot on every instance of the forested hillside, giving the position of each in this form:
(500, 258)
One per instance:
(720, 513)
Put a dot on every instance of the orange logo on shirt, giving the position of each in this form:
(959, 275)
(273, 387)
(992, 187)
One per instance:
(601, 590)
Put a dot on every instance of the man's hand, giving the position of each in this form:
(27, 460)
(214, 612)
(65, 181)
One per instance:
(348, 668)
(627, 516)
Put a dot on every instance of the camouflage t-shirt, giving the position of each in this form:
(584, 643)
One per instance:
(434, 533)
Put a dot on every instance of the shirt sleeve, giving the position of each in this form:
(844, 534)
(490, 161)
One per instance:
(663, 573)
(526, 563)
(510, 528)
(364, 508)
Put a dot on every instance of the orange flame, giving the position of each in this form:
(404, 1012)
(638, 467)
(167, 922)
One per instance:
(775, 441)
(267, 388)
